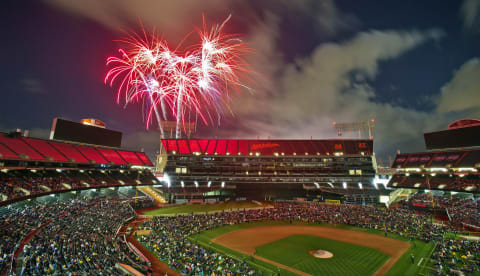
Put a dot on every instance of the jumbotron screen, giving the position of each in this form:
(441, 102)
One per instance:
(65, 130)
(453, 138)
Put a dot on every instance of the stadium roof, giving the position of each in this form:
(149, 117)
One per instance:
(15, 147)
(268, 147)
(438, 159)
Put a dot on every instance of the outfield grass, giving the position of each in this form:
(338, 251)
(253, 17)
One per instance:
(348, 259)
(402, 267)
(200, 208)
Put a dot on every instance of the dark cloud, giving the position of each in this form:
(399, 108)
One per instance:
(299, 98)
(470, 12)
(315, 91)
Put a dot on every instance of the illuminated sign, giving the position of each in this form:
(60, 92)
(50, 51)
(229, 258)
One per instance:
(338, 146)
(93, 122)
(362, 145)
(264, 146)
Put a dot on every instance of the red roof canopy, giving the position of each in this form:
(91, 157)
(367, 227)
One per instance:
(268, 147)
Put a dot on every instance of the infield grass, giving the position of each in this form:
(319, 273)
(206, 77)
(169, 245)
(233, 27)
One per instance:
(348, 259)
(200, 208)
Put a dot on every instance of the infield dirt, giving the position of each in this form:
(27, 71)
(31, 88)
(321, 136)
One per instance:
(246, 240)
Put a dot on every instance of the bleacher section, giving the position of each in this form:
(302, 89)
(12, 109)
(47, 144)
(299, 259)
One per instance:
(91, 154)
(144, 158)
(130, 157)
(112, 156)
(447, 182)
(21, 148)
(7, 153)
(31, 149)
(19, 184)
(70, 152)
(44, 148)
(31, 167)
(439, 159)
(451, 170)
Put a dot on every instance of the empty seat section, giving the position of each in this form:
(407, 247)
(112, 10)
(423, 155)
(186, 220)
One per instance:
(112, 156)
(144, 158)
(130, 157)
(45, 148)
(69, 151)
(92, 154)
(18, 146)
(7, 154)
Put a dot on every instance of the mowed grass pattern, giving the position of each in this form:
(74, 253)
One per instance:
(349, 259)
(182, 209)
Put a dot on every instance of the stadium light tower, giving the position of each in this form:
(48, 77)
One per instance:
(355, 126)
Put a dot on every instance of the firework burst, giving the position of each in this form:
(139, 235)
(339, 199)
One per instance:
(172, 83)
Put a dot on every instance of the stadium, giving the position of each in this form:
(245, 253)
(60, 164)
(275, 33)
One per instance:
(238, 207)
(200, 141)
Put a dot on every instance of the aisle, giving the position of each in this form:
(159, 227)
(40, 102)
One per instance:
(159, 268)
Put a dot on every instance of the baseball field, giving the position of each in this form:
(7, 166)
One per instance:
(347, 258)
(286, 247)
(278, 246)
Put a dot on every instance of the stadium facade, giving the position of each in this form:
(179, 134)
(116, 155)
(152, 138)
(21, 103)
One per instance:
(267, 169)
(452, 165)
(31, 167)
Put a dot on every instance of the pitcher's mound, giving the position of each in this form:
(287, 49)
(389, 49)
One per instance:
(321, 254)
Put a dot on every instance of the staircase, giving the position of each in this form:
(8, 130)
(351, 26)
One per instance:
(399, 194)
(153, 193)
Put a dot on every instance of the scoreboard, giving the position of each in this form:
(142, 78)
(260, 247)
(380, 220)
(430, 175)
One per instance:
(453, 138)
(65, 130)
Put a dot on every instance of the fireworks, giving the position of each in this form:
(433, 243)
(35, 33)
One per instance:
(174, 84)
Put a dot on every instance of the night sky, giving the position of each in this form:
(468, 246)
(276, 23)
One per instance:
(412, 65)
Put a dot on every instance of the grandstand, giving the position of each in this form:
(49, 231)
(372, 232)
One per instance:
(452, 166)
(33, 167)
(269, 169)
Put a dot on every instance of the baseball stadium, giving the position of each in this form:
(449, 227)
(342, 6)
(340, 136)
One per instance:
(196, 138)
(237, 207)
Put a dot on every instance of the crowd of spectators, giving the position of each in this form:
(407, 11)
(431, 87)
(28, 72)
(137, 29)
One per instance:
(457, 256)
(83, 240)
(76, 237)
(168, 239)
(80, 236)
(462, 211)
(20, 183)
(17, 223)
